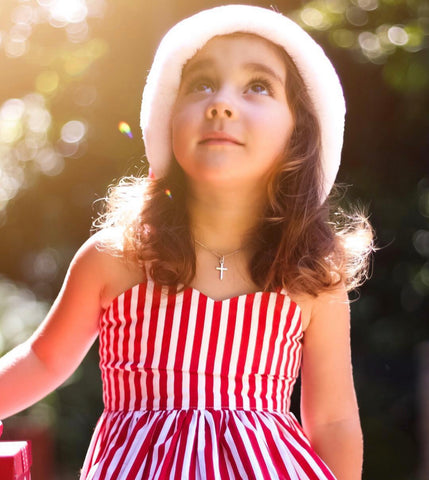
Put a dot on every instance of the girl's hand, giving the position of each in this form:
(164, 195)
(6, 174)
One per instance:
(53, 352)
(329, 407)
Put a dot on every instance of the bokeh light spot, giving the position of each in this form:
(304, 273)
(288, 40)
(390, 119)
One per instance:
(424, 275)
(20, 32)
(33, 141)
(10, 185)
(14, 48)
(47, 82)
(370, 44)
(67, 149)
(336, 6)
(356, 16)
(368, 5)
(23, 14)
(407, 74)
(343, 38)
(10, 131)
(424, 203)
(416, 36)
(45, 265)
(49, 161)
(314, 18)
(44, 3)
(397, 35)
(20, 314)
(38, 119)
(68, 11)
(75, 66)
(12, 110)
(73, 131)
(421, 242)
(77, 32)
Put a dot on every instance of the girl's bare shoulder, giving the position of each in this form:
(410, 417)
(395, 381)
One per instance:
(311, 306)
(107, 267)
(304, 302)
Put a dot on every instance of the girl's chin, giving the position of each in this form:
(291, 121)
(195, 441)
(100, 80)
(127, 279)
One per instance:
(225, 178)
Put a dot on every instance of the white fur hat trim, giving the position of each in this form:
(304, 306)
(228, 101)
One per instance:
(184, 40)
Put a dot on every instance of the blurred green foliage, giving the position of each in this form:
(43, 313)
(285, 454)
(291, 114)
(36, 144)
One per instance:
(73, 70)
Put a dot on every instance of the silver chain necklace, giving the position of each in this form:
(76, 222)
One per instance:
(221, 258)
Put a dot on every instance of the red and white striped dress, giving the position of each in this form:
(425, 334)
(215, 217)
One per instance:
(200, 389)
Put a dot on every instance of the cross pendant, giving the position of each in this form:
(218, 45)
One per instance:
(221, 268)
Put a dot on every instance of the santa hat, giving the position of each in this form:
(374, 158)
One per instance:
(187, 37)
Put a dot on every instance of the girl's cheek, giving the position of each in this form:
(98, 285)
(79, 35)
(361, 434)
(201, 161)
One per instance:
(183, 112)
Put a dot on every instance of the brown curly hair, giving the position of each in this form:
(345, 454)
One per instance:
(297, 244)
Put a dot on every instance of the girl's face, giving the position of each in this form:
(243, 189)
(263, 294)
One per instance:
(231, 121)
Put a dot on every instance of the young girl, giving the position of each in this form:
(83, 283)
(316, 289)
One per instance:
(213, 282)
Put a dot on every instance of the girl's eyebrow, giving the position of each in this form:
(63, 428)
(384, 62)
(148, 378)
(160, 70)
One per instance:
(254, 67)
(262, 68)
(197, 65)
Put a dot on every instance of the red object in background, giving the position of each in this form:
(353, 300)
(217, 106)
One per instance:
(15, 461)
(41, 442)
(1, 428)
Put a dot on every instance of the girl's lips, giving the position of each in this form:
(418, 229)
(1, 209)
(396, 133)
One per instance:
(218, 138)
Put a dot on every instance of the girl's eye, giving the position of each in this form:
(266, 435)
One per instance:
(260, 87)
(201, 86)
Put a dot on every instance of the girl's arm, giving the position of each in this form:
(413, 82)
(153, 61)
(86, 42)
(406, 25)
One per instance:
(329, 407)
(53, 352)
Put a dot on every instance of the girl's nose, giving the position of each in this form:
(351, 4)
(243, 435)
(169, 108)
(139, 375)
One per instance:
(219, 109)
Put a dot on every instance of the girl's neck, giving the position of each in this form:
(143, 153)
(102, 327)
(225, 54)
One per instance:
(222, 218)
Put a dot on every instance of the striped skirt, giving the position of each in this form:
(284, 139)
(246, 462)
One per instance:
(196, 388)
(201, 444)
